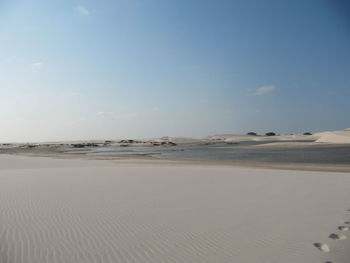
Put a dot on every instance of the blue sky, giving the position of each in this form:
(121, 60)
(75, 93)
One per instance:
(148, 68)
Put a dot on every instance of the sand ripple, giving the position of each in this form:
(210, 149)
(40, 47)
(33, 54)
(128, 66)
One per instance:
(164, 214)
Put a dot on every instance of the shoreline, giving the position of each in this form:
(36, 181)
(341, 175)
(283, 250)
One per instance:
(146, 159)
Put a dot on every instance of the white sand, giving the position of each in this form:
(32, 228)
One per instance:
(98, 211)
(334, 136)
(338, 137)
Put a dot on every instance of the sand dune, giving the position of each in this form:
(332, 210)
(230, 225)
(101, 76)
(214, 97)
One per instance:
(334, 136)
(339, 137)
(97, 211)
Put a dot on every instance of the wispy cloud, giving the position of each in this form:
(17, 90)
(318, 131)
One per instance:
(125, 115)
(105, 113)
(264, 89)
(36, 65)
(82, 10)
(73, 94)
(12, 59)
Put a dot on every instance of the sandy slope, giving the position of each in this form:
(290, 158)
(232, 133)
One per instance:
(334, 136)
(97, 211)
(341, 136)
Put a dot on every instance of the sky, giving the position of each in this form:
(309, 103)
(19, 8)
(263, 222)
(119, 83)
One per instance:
(113, 69)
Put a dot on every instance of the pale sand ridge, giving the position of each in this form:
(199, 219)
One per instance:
(334, 137)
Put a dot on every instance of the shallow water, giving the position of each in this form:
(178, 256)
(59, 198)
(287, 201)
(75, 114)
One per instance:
(330, 155)
(305, 154)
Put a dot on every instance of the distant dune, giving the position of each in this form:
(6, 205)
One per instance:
(342, 136)
(334, 136)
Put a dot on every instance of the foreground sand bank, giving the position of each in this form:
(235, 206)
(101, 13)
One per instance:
(54, 210)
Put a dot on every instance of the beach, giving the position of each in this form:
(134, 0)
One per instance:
(76, 210)
(180, 131)
(325, 151)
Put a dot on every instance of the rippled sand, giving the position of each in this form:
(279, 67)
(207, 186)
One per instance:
(97, 211)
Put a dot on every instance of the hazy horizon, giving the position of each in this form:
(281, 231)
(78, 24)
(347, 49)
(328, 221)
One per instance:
(74, 70)
(86, 139)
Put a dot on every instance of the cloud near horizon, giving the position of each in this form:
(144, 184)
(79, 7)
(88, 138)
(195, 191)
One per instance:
(36, 65)
(124, 115)
(105, 113)
(264, 89)
(82, 10)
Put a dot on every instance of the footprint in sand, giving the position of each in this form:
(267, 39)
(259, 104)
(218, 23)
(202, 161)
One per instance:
(323, 247)
(343, 228)
(337, 236)
(347, 222)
